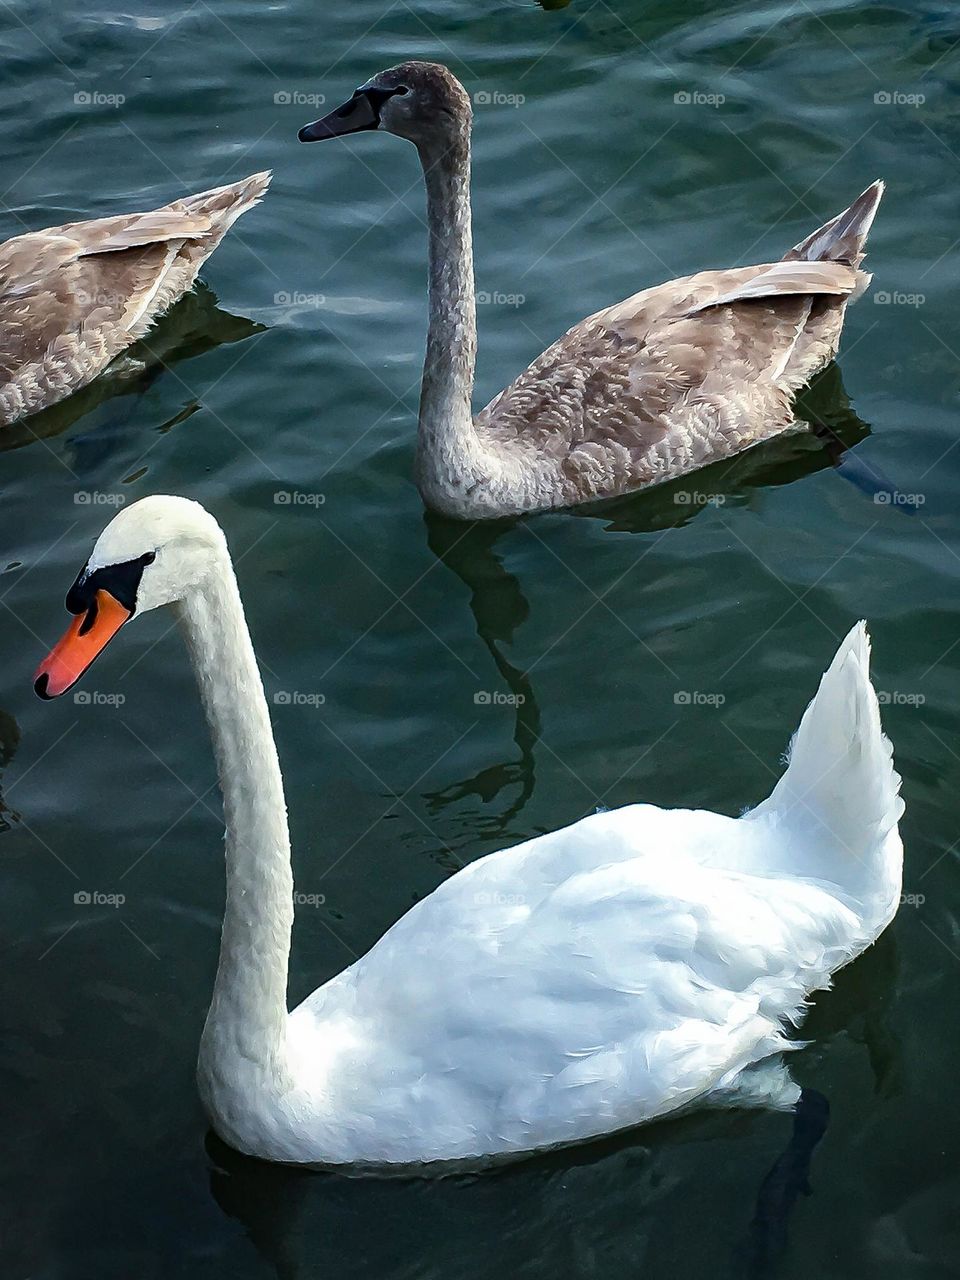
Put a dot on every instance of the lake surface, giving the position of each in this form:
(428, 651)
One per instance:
(444, 690)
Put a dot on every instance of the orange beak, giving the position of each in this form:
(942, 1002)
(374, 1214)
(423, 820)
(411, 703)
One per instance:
(88, 636)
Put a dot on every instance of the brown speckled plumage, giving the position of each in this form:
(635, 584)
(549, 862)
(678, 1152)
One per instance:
(73, 297)
(669, 380)
(674, 378)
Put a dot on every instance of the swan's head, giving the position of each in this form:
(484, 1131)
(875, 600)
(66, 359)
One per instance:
(420, 101)
(150, 554)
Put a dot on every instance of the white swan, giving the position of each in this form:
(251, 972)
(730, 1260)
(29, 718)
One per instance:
(669, 380)
(585, 981)
(72, 298)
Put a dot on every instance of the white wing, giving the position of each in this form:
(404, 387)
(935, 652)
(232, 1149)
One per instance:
(529, 1002)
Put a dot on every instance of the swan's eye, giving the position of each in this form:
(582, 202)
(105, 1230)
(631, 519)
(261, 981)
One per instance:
(148, 557)
(401, 89)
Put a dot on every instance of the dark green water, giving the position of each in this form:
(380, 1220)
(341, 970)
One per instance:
(597, 184)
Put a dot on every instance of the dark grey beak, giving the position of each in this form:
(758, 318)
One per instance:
(361, 112)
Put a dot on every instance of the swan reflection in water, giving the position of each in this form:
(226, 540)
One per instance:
(500, 607)
(195, 325)
(615, 1199)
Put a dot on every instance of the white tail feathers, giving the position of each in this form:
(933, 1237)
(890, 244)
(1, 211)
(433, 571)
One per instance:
(838, 801)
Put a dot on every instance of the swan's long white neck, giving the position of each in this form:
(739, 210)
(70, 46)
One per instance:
(245, 1028)
(449, 453)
